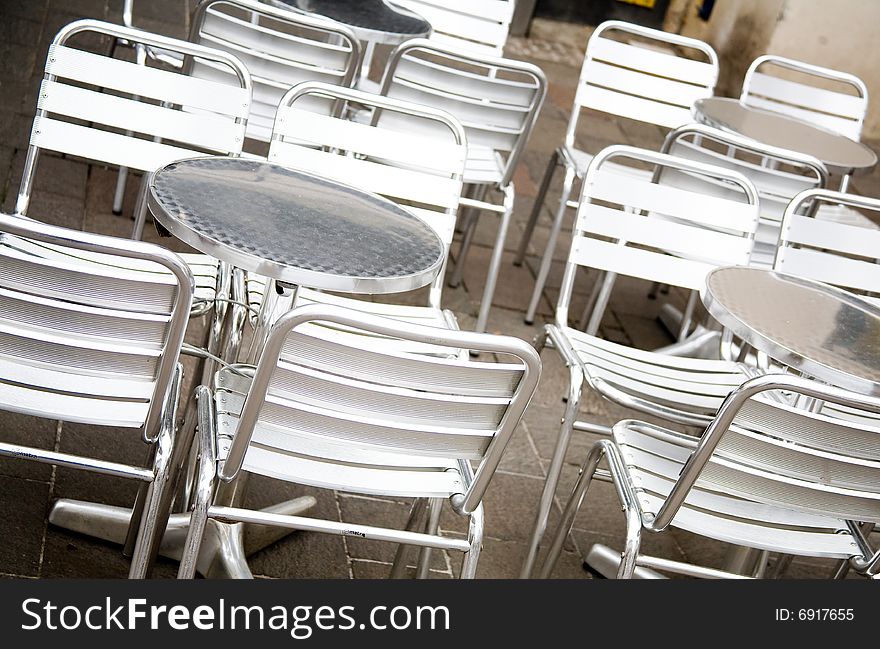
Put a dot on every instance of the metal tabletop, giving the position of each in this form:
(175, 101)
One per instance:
(838, 152)
(375, 21)
(294, 227)
(824, 332)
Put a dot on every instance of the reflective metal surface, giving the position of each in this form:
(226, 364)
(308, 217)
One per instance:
(376, 20)
(295, 227)
(837, 151)
(824, 332)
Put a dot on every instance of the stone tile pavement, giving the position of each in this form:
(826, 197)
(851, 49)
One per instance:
(77, 195)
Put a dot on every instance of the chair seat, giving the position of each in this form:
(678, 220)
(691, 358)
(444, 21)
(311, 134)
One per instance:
(653, 459)
(694, 386)
(844, 214)
(421, 315)
(484, 166)
(582, 160)
(307, 458)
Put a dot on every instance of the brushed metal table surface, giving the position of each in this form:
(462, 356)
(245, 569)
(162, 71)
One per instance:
(838, 152)
(371, 20)
(295, 227)
(824, 332)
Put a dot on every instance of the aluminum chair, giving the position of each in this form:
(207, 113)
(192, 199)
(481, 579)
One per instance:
(95, 339)
(644, 230)
(360, 417)
(122, 113)
(630, 80)
(764, 475)
(479, 26)
(497, 100)
(411, 154)
(805, 94)
(280, 48)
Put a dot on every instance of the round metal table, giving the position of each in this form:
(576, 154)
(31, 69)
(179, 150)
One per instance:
(838, 152)
(374, 21)
(823, 332)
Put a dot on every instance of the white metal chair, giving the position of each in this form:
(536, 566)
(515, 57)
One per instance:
(479, 26)
(806, 94)
(95, 339)
(361, 418)
(280, 49)
(654, 232)
(764, 475)
(497, 101)
(123, 113)
(632, 79)
(411, 154)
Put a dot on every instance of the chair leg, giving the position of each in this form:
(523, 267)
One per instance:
(140, 210)
(137, 510)
(578, 493)
(547, 259)
(495, 262)
(398, 568)
(434, 509)
(576, 380)
(121, 179)
(470, 229)
(475, 535)
(633, 542)
(536, 208)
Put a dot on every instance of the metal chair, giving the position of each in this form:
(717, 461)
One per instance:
(805, 94)
(655, 232)
(280, 49)
(479, 26)
(95, 339)
(764, 475)
(358, 417)
(122, 113)
(627, 79)
(497, 101)
(411, 154)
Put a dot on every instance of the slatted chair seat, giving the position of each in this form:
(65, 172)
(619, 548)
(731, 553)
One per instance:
(359, 415)
(479, 26)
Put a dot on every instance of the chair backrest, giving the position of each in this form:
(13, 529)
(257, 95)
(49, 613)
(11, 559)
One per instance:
(497, 100)
(643, 78)
(411, 154)
(778, 175)
(369, 401)
(645, 229)
(90, 326)
(128, 114)
(761, 449)
(810, 99)
(479, 26)
(280, 49)
(841, 254)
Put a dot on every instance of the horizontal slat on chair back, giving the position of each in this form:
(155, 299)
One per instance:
(206, 122)
(354, 389)
(641, 83)
(658, 232)
(81, 334)
(495, 110)
(833, 110)
(279, 53)
(834, 253)
(479, 26)
(403, 165)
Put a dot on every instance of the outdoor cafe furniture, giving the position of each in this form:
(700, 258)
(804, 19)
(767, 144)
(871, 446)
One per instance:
(356, 415)
(631, 79)
(411, 154)
(280, 48)
(481, 26)
(77, 115)
(90, 332)
(656, 233)
(497, 101)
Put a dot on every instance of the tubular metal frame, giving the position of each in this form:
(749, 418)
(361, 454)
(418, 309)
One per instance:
(866, 562)
(579, 371)
(473, 484)
(159, 426)
(505, 186)
(566, 155)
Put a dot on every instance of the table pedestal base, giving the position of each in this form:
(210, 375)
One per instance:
(225, 547)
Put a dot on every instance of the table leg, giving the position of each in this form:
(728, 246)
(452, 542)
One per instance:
(275, 292)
